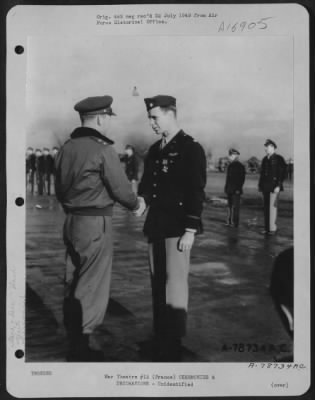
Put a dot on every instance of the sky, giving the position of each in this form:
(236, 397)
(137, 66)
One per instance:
(230, 91)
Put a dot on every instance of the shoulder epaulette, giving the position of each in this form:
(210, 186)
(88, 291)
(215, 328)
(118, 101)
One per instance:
(98, 140)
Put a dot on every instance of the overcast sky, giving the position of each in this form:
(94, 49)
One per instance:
(231, 91)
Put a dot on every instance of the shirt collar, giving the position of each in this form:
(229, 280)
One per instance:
(167, 141)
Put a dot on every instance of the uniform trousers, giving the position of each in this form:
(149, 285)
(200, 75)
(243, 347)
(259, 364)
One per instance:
(271, 210)
(169, 279)
(47, 183)
(30, 180)
(234, 201)
(89, 252)
(40, 182)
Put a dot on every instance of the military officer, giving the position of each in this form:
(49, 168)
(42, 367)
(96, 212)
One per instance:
(235, 178)
(30, 168)
(89, 179)
(39, 171)
(172, 185)
(47, 164)
(272, 175)
(54, 153)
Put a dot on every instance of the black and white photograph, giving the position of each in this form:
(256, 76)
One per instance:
(160, 192)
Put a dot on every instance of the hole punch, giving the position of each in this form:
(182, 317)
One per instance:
(19, 49)
(19, 201)
(19, 354)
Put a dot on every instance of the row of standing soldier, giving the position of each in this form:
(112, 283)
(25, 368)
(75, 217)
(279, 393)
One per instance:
(40, 171)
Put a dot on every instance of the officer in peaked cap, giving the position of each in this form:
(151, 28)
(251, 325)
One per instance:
(172, 185)
(95, 106)
(89, 180)
(235, 177)
(270, 142)
(272, 175)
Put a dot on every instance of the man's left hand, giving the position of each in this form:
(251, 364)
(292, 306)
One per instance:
(186, 241)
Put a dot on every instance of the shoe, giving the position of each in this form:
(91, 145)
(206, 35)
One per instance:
(272, 233)
(81, 351)
(228, 224)
(264, 232)
(168, 350)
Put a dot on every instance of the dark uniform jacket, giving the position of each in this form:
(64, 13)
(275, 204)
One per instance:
(131, 166)
(173, 185)
(272, 173)
(235, 177)
(89, 175)
(31, 163)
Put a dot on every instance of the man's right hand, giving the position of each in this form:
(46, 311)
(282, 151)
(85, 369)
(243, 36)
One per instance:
(141, 209)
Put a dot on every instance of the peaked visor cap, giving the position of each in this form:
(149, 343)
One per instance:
(159, 101)
(234, 151)
(95, 105)
(270, 142)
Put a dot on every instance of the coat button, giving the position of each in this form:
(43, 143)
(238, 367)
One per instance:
(154, 195)
(154, 184)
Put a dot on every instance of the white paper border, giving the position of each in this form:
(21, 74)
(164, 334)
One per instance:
(79, 380)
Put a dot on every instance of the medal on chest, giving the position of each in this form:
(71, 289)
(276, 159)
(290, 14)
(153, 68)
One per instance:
(165, 165)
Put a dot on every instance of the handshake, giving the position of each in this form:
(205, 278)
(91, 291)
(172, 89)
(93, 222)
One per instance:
(141, 207)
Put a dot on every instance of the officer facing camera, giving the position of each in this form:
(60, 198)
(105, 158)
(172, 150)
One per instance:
(172, 185)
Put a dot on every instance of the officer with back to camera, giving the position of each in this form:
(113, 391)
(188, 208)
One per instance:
(89, 179)
(172, 185)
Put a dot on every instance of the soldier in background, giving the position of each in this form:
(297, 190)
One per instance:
(172, 185)
(30, 168)
(89, 180)
(39, 172)
(235, 178)
(272, 175)
(131, 166)
(47, 169)
(54, 153)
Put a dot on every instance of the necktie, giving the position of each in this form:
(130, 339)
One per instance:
(163, 143)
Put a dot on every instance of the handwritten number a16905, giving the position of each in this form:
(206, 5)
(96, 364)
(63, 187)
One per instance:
(240, 26)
